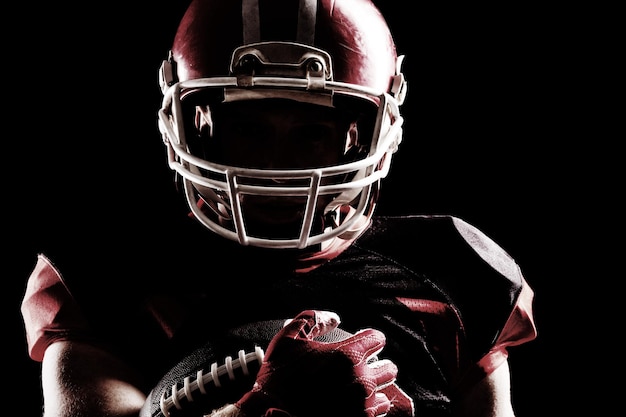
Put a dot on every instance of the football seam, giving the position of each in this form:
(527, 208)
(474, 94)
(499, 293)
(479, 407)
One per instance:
(203, 378)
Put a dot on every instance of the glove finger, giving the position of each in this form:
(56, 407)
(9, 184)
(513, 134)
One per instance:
(401, 404)
(379, 405)
(383, 372)
(362, 346)
(310, 324)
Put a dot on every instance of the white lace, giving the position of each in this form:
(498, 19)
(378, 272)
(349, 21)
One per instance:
(202, 378)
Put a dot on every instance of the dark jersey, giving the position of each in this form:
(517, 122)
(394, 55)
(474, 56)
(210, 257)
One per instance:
(448, 299)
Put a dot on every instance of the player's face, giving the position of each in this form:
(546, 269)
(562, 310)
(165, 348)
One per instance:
(279, 135)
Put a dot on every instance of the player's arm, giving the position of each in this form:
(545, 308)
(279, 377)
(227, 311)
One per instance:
(77, 379)
(82, 380)
(490, 397)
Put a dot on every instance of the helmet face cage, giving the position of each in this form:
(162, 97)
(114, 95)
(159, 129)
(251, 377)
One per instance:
(284, 70)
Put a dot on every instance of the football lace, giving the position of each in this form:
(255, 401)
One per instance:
(202, 378)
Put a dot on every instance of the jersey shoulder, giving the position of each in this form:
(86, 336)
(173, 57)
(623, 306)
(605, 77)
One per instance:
(455, 256)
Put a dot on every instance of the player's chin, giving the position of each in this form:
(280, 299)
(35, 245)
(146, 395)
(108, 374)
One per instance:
(279, 215)
(275, 228)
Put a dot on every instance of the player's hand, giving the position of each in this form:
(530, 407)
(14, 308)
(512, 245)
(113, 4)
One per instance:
(304, 377)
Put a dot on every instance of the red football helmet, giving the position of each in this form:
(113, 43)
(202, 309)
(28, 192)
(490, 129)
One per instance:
(336, 54)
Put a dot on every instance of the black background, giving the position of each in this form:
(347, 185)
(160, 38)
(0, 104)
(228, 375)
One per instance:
(490, 136)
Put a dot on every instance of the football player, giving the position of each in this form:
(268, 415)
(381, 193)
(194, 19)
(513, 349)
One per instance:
(280, 120)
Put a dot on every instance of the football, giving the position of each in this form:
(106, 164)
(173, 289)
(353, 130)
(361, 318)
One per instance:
(217, 373)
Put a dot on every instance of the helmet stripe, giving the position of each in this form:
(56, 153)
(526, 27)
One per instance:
(306, 21)
(251, 24)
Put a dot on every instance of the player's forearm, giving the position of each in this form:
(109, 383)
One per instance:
(79, 379)
(490, 397)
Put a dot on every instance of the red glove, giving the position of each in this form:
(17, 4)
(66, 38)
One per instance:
(304, 377)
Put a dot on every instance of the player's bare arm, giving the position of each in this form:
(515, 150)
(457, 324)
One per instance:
(82, 380)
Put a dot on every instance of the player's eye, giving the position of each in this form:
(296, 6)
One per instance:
(251, 131)
(312, 134)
